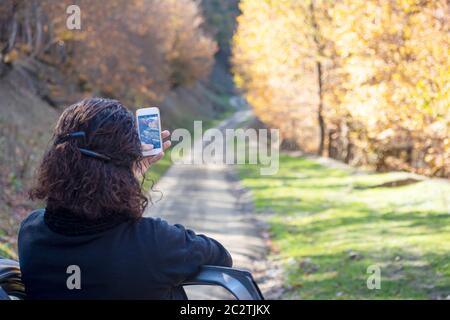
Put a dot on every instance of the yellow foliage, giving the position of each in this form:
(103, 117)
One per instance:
(386, 76)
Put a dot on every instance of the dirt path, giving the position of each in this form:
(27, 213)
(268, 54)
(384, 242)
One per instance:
(208, 199)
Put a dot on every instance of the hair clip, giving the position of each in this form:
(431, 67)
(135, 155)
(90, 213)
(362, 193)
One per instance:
(78, 135)
(74, 135)
(93, 154)
(82, 135)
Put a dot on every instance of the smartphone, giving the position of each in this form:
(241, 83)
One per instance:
(149, 129)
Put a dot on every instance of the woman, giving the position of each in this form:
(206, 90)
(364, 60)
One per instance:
(91, 241)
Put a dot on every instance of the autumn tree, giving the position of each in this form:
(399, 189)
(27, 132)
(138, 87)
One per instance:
(396, 58)
(136, 50)
(24, 29)
(375, 74)
(281, 58)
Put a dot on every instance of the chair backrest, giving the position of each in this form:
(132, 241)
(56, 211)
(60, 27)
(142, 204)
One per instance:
(4, 295)
(11, 280)
(239, 283)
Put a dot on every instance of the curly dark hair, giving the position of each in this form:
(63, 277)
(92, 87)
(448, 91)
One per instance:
(92, 174)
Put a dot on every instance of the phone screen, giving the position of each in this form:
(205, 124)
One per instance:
(149, 130)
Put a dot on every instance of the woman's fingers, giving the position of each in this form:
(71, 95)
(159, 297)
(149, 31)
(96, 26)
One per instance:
(156, 158)
(146, 162)
(165, 134)
(167, 144)
(147, 147)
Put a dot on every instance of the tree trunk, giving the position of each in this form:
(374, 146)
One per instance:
(320, 110)
(39, 31)
(319, 53)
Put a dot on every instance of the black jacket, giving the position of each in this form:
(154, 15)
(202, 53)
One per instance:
(143, 259)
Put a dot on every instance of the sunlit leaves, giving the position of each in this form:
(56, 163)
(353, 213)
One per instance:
(385, 83)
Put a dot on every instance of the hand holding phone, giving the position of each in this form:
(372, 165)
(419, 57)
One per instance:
(149, 129)
(146, 162)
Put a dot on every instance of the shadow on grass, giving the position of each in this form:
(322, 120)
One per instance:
(404, 275)
(392, 184)
(434, 221)
(330, 225)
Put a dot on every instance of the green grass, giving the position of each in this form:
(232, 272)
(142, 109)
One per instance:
(6, 251)
(157, 170)
(330, 224)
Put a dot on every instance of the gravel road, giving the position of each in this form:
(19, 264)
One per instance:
(208, 199)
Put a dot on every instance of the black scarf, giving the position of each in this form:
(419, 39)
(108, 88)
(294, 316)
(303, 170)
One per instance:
(66, 222)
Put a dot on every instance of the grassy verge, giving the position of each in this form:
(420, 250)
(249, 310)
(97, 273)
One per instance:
(329, 225)
(6, 251)
(157, 171)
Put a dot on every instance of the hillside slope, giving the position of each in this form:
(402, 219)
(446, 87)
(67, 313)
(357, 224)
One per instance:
(25, 128)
